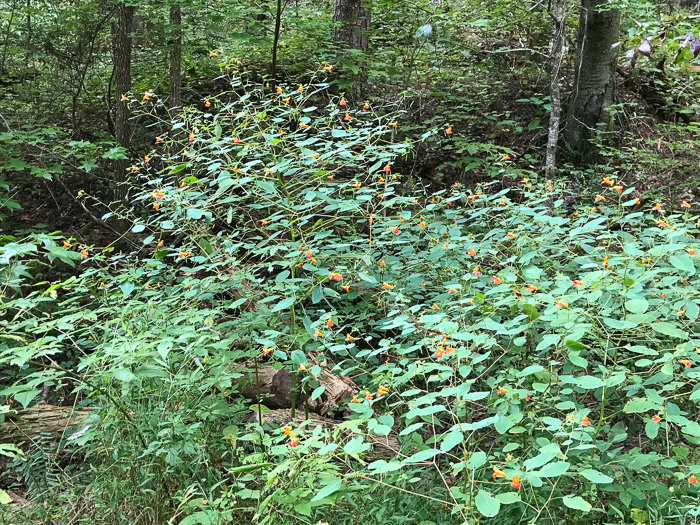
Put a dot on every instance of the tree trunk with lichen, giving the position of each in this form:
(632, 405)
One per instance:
(593, 87)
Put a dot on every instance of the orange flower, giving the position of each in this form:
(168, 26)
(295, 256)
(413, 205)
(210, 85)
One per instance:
(636, 201)
(346, 288)
(355, 400)
(531, 288)
(318, 333)
(692, 480)
(147, 96)
(394, 124)
(302, 368)
(366, 106)
(349, 338)
(308, 254)
(357, 185)
(67, 244)
(498, 473)
(293, 442)
(662, 224)
(605, 262)
(606, 180)
(599, 198)
(691, 251)
(328, 68)
(585, 422)
(656, 419)
(207, 104)
(156, 205)
(301, 89)
(448, 131)
(347, 117)
(279, 90)
(83, 254)
(266, 351)
(680, 312)
(516, 482)
(504, 158)
(476, 271)
(287, 431)
(577, 283)
(495, 280)
(212, 54)
(124, 98)
(342, 101)
(657, 207)
(471, 252)
(382, 390)
(368, 395)
(435, 306)
(501, 390)
(286, 100)
(329, 323)
(686, 363)
(451, 290)
(190, 138)
(618, 189)
(511, 235)
(386, 286)
(387, 168)
(560, 303)
(158, 139)
(685, 205)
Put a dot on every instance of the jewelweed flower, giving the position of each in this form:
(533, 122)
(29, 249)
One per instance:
(448, 131)
(686, 363)
(435, 306)
(368, 395)
(656, 419)
(355, 400)
(293, 442)
(657, 207)
(585, 422)
(382, 390)
(495, 280)
(692, 480)
(349, 338)
(387, 286)
(577, 283)
(685, 205)
(691, 251)
(501, 390)
(618, 189)
(498, 473)
(476, 271)
(516, 482)
(329, 323)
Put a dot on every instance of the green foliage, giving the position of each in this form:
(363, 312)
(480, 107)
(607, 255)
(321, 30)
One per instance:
(499, 332)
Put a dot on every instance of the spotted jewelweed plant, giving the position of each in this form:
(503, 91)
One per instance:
(531, 353)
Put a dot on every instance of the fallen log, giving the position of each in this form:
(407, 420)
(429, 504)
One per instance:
(383, 447)
(273, 388)
(24, 425)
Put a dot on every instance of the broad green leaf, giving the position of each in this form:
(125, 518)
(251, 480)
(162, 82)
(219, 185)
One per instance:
(596, 477)
(450, 441)
(487, 504)
(423, 455)
(669, 329)
(283, 304)
(329, 489)
(477, 459)
(683, 262)
(637, 306)
(577, 503)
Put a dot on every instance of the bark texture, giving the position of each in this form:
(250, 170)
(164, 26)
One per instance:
(274, 387)
(353, 18)
(555, 88)
(121, 52)
(38, 419)
(598, 30)
(175, 98)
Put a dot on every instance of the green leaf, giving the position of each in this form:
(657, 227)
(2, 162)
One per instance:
(637, 306)
(356, 445)
(487, 504)
(683, 262)
(508, 497)
(638, 405)
(553, 470)
(450, 441)
(532, 369)
(329, 489)
(587, 382)
(138, 228)
(317, 392)
(577, 503)
(122, 374)
(669, 329)
(250, 468)
(423, 455)
(651, 429)
(539, 460)
(283, 304)
(477, 459)
(595, 476)
(5, 498)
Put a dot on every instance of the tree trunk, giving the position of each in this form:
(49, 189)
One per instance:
(121, 49)
(38, 419)
(598, 30)
(555, 88)
(353, 18)
(175, 98)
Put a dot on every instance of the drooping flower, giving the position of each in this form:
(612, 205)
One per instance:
(124, 98)
(368, 395)
(501, 390)
(382, 390)
(448, 131)
(692, 480)
(318, 333)
(329, 323)
(293, 442)
(686, 363)
(691, 251)
(656, 419)
(585, 422)
(498, 473)
(685, 205)
(212, 54)
(476, 271)
(577, 283)
(516, 482)
(560, 303)
(349, 338)
(435, 306)
(342, 101)
(495, 280)
(386, 286)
